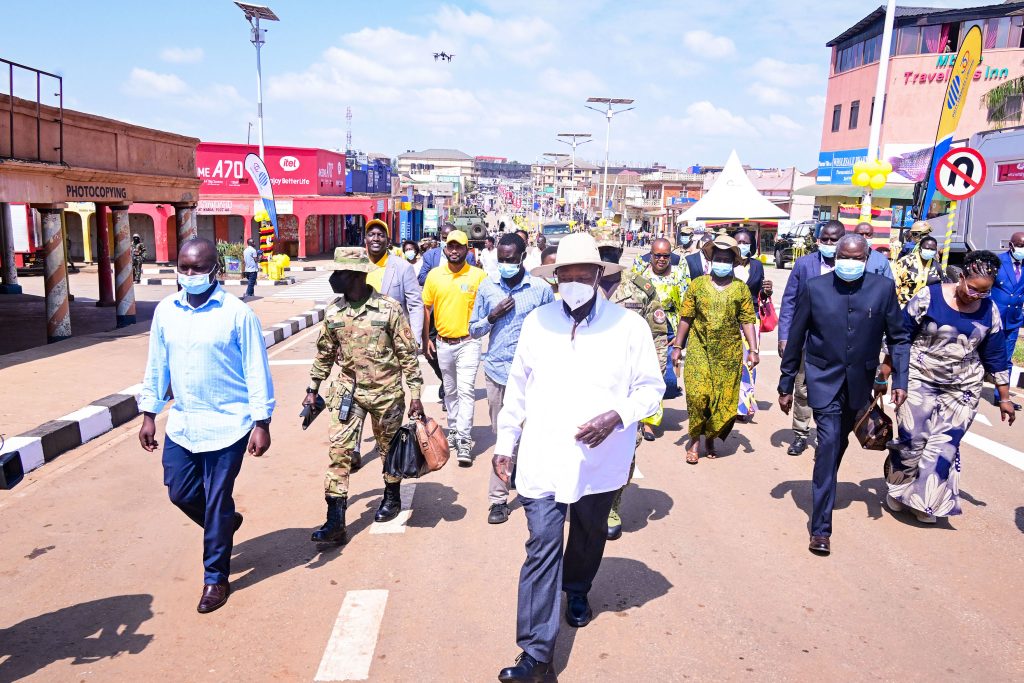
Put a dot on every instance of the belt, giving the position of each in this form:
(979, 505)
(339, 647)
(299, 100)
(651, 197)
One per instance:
(453, 340)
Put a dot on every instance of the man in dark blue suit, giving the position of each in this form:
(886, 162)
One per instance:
(1008, 295)
(696, 263)
(840, 322)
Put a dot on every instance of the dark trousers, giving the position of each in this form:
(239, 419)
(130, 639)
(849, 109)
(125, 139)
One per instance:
(834, 422)
(201, 485)
(251, 287)
(432, 362)
(546, 571)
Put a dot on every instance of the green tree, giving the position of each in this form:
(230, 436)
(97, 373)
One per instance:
(1004, 101)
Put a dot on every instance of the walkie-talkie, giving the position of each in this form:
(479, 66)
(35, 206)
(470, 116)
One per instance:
(346, 404)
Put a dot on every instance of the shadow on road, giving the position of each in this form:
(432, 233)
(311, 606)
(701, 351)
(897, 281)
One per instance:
(870, 492)
(621, 585)
(642, 505)
(784, 437)
(435, 503)
(84, 633)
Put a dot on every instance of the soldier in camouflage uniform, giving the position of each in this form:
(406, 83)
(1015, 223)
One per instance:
(367, 336)
(138, 254)
(637, 294)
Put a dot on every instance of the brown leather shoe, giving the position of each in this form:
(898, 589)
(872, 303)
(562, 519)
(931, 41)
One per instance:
(214, 597)
(820, 545)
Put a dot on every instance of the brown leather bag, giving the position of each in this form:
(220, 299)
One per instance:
(874, 428)
(433, 443)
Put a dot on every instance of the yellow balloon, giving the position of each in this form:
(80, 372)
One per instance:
(877, 181)
(886, 167)
(261, 216)
(859, 167)
(861, 179)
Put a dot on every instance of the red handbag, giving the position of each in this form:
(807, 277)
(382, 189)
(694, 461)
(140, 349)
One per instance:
(769, 318)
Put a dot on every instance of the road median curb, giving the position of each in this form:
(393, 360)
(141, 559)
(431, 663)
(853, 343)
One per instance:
(30, 450)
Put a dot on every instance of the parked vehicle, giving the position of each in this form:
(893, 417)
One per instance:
(796, 241)
(554, 232)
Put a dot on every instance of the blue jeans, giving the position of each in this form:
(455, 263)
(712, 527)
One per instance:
(201, 485)
(251, 277)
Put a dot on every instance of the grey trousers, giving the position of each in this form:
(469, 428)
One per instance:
(497, 490)
(546, 570)
(802, 412)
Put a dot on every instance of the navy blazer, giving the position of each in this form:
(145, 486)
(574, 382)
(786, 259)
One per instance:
(804, 269)
(756, 280)
(841, 326)
(694, 265)
(433, 258)
(1008, 294)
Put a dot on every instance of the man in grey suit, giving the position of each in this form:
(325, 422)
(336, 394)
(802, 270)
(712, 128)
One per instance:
(397, 277)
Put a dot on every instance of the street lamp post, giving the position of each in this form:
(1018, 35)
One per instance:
(608, 114)
(574, 143)
(879, 107)
(253, 13)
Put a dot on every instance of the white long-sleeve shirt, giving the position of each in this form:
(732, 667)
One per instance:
(558, 383)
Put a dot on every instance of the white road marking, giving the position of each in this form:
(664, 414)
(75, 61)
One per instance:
(317, 288)
(293, 342)
(637, 474)
(995, 449)
(397, 525)
(300, 361)
(349, 651)
(983, 420)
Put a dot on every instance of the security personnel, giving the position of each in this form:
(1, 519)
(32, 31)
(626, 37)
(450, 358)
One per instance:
(368, 337)
(686, 244)
(918, 231)
(138, 254)
(637, 294)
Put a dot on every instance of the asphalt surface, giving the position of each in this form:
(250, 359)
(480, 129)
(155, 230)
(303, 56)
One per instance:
(710, 581)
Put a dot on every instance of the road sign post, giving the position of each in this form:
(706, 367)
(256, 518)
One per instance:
(959, 175)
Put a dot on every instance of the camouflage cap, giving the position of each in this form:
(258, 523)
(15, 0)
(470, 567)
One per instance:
(921, 228)
(606, 238)
(350, 258)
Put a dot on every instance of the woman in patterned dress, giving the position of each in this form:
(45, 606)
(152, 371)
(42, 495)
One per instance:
(714, 310)
(917, 270)
(957, 337)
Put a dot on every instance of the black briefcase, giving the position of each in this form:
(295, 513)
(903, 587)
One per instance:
(404, 458)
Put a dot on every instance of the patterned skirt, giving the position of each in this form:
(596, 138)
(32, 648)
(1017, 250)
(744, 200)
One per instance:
(747, 405)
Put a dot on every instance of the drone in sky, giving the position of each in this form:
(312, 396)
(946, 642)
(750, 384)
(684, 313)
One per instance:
(443, 56)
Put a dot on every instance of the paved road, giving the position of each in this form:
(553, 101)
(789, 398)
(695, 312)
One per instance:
(711, 581)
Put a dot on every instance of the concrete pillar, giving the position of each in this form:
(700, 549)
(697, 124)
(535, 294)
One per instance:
(106, 283)
(8, 269)
(123, 284)
(185, 217)
(55, 280)
(301, 218)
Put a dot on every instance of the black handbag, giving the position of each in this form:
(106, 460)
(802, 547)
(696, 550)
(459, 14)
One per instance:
(404, 458)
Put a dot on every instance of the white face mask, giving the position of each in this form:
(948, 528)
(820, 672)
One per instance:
(575, 294)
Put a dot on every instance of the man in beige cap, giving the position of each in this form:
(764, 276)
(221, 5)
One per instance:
(368, 337)
(574, 415)
(918, 231)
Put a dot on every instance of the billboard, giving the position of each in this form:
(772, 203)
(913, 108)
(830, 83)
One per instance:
(294, 171)
(836, 168)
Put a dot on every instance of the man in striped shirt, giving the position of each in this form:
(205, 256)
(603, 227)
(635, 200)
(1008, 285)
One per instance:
(500, 309)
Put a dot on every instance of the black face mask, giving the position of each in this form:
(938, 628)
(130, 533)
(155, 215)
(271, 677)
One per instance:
(339, 281)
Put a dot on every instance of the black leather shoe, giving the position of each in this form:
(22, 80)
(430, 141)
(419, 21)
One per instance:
(615, 532)
(798, 446)
(528, 670)
(577, 611)
(498, 514)
(820, 545)
(238, 520)
(214, 597)
(390, 505)
(333, 530)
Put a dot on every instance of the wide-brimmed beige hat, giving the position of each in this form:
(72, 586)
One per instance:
(721, 242)
(576, 249)
(350, 258)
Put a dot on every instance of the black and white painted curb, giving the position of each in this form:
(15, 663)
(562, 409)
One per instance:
(23, 453)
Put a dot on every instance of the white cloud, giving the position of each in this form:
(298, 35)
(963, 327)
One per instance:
(708, 44)
(704, 118)
(182, 55)
(787, 74)
(573, 83)
(777, 125)
(767, 94)
(816, 103)
(145, 83)
(523, 40)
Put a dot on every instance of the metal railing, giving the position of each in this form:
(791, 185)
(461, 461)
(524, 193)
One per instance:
(11, 66)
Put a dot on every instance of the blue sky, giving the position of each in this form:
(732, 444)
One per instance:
(707, 76)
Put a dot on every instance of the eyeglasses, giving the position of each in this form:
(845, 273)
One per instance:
(660, 256)
(972, 292)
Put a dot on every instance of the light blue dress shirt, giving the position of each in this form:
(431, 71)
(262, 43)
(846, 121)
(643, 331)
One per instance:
(215, 360)
(530, 293)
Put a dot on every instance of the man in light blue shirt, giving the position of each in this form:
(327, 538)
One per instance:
(500, 309)
(208, 347)
(251, 268)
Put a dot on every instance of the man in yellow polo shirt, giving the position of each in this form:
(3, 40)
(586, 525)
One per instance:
(450, 293)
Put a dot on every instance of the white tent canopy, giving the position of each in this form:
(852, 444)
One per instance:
(732, 197)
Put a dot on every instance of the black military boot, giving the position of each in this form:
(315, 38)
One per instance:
(390, 505)
(333, 530)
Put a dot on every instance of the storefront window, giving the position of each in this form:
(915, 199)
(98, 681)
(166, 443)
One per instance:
(909, 41)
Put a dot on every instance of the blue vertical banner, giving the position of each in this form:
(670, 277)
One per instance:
(258, 170)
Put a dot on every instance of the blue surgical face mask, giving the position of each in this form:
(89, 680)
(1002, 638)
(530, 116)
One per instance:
(744, 250)
(721, 269)
(1018, 254)
(849, 269)
(410, 255)
(196, 284)
(927, 254)
(685, 240)
(508, 270)
(827, 250)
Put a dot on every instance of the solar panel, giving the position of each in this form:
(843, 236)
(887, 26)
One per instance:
(257, 11)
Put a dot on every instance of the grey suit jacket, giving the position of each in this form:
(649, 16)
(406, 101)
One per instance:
(401, 285)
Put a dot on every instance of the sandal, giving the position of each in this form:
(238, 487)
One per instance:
(711, 454)
(692, 456)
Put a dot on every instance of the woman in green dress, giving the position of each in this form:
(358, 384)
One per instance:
(715, 309)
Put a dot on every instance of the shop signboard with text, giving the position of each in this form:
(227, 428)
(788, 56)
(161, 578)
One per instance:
(293, 170)
(836, 168)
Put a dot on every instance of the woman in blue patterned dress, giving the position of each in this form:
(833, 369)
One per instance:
(957, 337)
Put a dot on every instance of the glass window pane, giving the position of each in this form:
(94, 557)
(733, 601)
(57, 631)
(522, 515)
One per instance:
(930, 39)
(909, 41)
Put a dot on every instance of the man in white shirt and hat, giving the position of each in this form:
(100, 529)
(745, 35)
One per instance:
(574, 416)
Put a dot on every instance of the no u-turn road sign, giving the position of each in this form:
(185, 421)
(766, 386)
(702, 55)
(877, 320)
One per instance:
(960, 173)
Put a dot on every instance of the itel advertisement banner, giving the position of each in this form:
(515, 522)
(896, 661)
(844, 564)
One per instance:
(294, 171)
